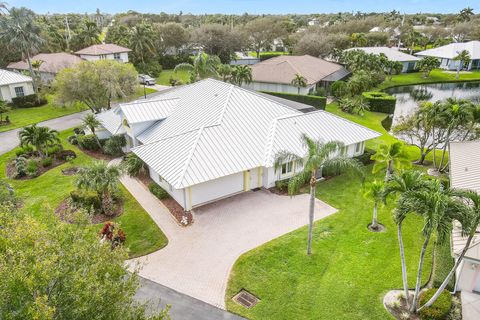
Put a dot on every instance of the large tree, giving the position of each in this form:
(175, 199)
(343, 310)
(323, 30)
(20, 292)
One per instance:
(171, 36)
(88, 34)
(141, 41)
(427, 64)
(96, 83)
(261, 32)
(219, 40)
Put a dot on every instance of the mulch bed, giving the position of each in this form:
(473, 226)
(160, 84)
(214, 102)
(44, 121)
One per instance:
(65, 212)
(380, 228)
(275, 190)
(99, 155)
(10, 169)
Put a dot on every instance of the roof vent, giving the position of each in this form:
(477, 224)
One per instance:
(245, 299)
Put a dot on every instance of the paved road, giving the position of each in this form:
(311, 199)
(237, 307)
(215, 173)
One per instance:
(183, 307)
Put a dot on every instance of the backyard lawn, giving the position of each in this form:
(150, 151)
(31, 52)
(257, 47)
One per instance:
(48, 190)
(164, 77)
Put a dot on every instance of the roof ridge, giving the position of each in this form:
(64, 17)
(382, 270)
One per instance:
(189, 158)
(269, 142)
(227, 100)
(146, 101)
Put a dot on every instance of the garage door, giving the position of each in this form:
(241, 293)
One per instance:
(217, 189)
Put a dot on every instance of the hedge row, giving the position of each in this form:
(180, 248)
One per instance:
(380, 101)
(315, 101)
(266, 56)
(28, 101)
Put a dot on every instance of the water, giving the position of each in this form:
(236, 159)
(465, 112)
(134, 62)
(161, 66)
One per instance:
(409, 96)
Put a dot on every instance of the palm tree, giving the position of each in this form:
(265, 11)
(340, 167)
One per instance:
(141, 41)
(374, 191)
(89, 34)
(224, 71)
(91, 123)
(463, 59)
(21, 31)
(465, 14)
(319, 156)
(39, 137)
(241, 75)
(133, 165)
(299, 81)
(390, 157)
(203, 65)
(406, 181)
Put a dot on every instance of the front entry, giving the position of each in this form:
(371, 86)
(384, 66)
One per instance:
(255, 178)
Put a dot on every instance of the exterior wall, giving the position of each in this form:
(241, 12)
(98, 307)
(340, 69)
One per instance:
(241, 61)
(468, 276)
(123, 57)
(101, 133)
(278, 87)
(408, 66)
(216, 189)
(177, 194)
(7, 92)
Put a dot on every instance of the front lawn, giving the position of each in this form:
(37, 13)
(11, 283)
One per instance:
(48, 190)
(435, 76)
(165, 75)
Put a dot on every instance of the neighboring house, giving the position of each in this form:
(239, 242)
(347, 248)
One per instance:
(106, 51)
(210, 140)
(465, 174)
(243, 59)
(447, 53)
(13, 84)
(51, 64)
(276, 74)
(408, 61)
(313, 22)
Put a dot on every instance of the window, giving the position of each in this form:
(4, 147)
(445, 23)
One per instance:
(358, 147)
(19, 92)
(116, 56)
(287, 167)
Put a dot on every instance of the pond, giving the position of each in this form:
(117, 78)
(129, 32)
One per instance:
(409, 96)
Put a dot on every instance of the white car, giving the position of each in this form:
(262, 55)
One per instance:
(146, 79)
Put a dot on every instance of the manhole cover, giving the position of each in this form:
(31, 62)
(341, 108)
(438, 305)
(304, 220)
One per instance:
(246, 299)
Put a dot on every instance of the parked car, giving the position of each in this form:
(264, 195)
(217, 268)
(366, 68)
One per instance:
(146, 79)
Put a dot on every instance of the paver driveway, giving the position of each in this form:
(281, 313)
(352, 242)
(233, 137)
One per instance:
(198, 258)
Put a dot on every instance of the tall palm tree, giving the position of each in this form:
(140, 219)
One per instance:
(203, 66)
(89, 34)
(39, 137)
(374, 191)
(463, 59)
(319, 155)
(19, 29)
(91, 123)
(299, 81)
(224, 71)
(400, 183)
(390, 157)
(241, 75)
(465, 14)
(141, 41)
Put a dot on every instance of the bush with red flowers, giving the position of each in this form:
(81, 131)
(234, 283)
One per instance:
(112, 233)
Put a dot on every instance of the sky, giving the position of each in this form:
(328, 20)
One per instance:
(250, 6)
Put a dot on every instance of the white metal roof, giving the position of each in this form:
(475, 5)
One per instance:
(452, 50)
(111, 121)
(465, 165)
(10, 77)
(217, 129)
(148, 110)
(392, 54)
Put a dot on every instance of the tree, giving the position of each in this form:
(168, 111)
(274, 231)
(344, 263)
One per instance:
(319, 156)
(3, 109)
(390, 157)
(91, 123)
(171, 35)
(56, 270)
(141, 42)
(374, 192)
(19, 29)
(465, 14)
(241, 74)
(203, 66)
(88, 35)
(261, 32)
(219, 40)
(463, 59)
(224, 71)
(427, 64)
(299, 81)
(96, 83)
(358, 39)
(320, 44)
(134, 166)
(39, 137)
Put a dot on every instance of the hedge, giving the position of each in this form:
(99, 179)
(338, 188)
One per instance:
(440, 308)
(315, 101)
(380, 101)
(158, 191)
(266, 56)
(28, 101)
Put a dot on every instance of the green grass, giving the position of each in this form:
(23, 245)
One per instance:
(165, 75)
(436, 76)
(48, 190)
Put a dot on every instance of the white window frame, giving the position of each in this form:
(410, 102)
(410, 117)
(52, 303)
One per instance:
(117, 56)
(16, 92)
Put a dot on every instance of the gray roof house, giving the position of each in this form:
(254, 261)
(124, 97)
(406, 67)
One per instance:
(447, 53)
(108, 51)
(392, 54)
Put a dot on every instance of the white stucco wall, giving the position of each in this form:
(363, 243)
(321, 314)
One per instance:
(468, 276)
(216, 189)
(123, 57)
(278, 87)
(177, 194)
(7, 92)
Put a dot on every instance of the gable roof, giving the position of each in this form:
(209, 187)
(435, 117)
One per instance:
(282, 69)
(9, 77)
(111, 121)
(51, 62)
(148, 110)
(391, 53)
(105, 48)
(452, 50)
(217, 129)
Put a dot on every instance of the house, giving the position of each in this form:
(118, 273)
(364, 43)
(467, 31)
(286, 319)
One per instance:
(447, 53)
(393, 54)
(313, 22)
(465, 174)
(14, 84)
(105, 51)
(210, 140)
(276, 74)
(50, 64)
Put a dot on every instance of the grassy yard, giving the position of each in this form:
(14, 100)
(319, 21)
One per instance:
(434, 77)
(165, 75)
(48, 190)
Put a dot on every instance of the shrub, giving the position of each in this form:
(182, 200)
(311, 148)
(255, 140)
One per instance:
(152, 68)
(73, 139)
(54, 149)
(113, 233)
(86, 199)
(7, 195)
(365, 158)
(158, 191)
(66, 155)
(441, 307)
(133, 165)
(315, 101)
(32, 168)
(339, 89)
(380, 101)
(88, 142)
(47, 162)
(113, 145)
(269, 55)
(25, 150)
(20, 167)
(169, 61)
(282, 185)
(28, 101)
(320, 92)
(78, 130)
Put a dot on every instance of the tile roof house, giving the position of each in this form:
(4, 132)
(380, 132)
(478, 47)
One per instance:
(393, 54)
(51, 64)
(108, 51)
(464, 160)
(209, 140)
(14, 84)
(276, 74)
(447, 53)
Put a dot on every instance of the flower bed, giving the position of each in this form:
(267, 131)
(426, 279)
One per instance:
(29, 166)
(66, 211)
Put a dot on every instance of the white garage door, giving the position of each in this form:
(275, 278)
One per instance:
(217, 189)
